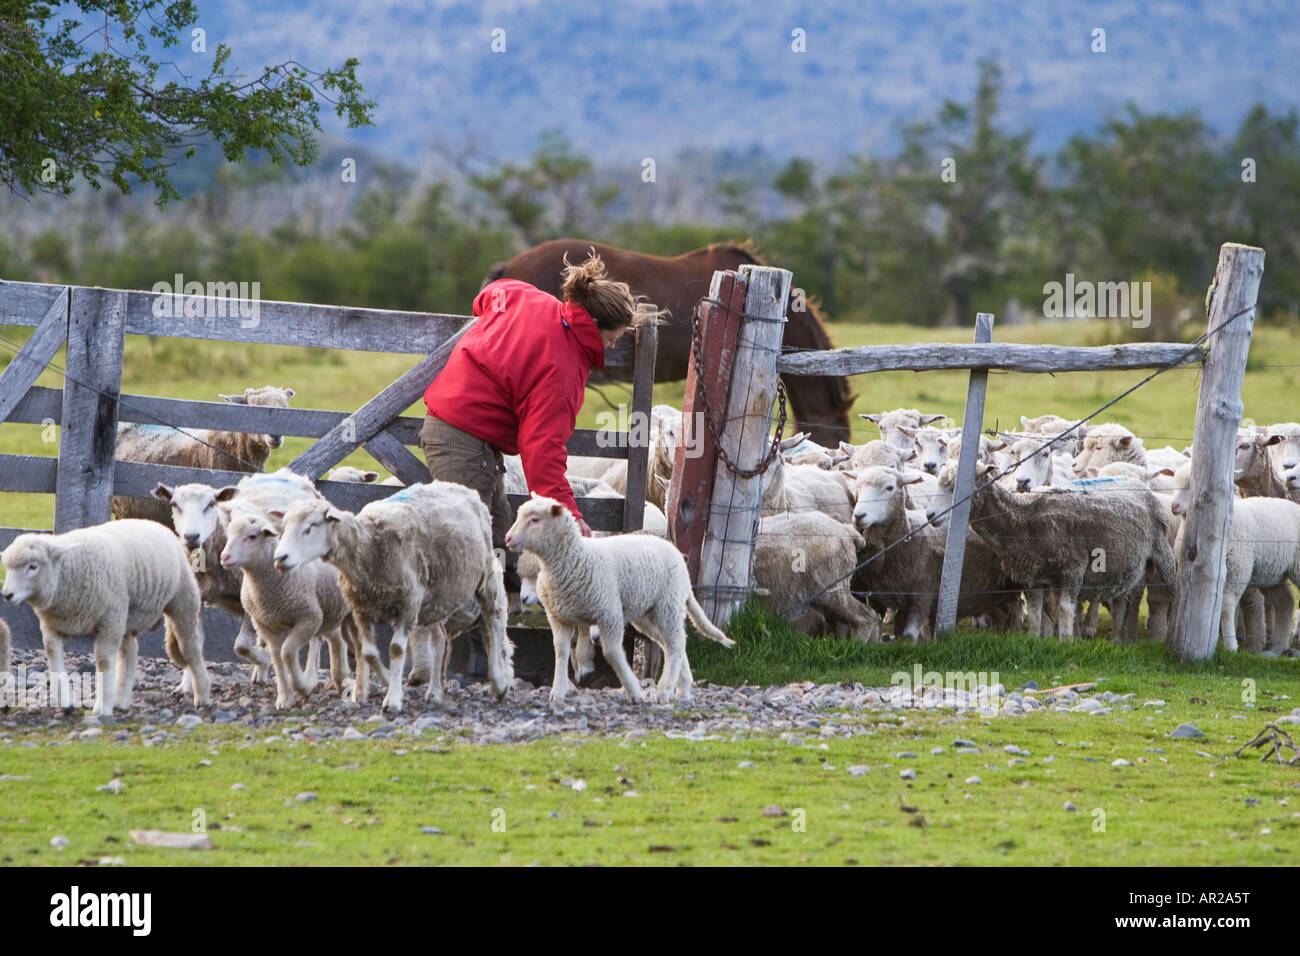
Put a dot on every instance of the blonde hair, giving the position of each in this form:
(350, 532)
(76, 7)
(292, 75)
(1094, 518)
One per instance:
(610, 303)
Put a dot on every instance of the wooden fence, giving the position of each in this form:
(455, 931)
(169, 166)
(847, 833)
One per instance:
(94, 323)
(714, 509)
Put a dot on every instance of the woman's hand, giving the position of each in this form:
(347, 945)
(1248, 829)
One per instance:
(584, 528)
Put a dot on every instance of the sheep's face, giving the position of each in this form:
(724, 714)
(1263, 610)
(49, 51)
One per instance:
(528, 595)
(931, 449)
(250, 539)
(267, 396)
(348, 473)
(1036, 469)
(891, 425)
(538, 521)
(1287, 454)
(1252, 448)
(196, 511)
(31, 570)
(307, 533)
(879, 494)
(1100, 448)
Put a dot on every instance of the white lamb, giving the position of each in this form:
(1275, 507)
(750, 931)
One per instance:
(1103, 444)
(196, 448)
(420, 558)
(289, 607)
(605, 582)
(114, 582)
(891, 423)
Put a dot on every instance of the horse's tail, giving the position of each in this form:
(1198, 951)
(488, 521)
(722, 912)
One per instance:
(495, 271)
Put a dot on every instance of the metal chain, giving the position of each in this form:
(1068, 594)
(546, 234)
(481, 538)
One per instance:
(701, 394)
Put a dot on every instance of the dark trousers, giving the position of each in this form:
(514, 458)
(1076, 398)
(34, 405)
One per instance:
(457, 456)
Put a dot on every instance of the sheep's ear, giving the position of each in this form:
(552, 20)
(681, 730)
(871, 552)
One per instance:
(233, 399)
(847, 448)
(909, 457)
(909, 432)
(927, 419)
(370, 476)
(288, 392)
(269, 532)
(333, 514)
(162, 492)
(1165, 471)
(787, 459)
(837, 459)
(871, 418)
(663, 481)
(793, 440)
(557, 510)
(1272, 440)
(533, 494)
(1000, 445)
(1125, 441)
(910, 477)
(276, 515)
(850, 475)
(1024, 422)
(227, 493)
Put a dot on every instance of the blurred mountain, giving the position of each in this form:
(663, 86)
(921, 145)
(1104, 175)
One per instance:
(649, 78)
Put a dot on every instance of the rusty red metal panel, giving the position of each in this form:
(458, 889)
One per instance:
(692, 489)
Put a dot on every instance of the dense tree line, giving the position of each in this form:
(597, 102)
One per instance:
(964, 216)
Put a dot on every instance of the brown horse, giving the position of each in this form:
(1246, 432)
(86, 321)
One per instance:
(820, 404)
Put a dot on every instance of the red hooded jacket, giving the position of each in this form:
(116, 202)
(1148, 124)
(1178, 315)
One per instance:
(516, 379)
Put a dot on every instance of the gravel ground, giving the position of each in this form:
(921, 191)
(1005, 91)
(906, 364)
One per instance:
(794, 710)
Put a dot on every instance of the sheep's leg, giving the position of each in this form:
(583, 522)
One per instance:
(1066, 604)
(562, 636)
(611, 645)
(311, 673)
(584, 654)
(108, 644)
(1158, 608)
(1228, 618)
(396, 664)
(422, 654)
(275, 641)
(439, 645)
(1252, 630)
(367, 659)
(1131, 614)
(338, 658)
(127, 657)
(1282, 605)
(304, 632)
(1034, 612)
(491, 595)
(1090, 620)
(246, 647)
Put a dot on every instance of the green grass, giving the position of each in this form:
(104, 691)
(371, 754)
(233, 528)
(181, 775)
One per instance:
(694, 803)
(1163, 411)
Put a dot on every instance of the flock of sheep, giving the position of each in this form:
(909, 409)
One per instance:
(849, 540)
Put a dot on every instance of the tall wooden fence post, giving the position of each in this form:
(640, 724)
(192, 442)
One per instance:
(1195, 629)
(696, 460)
(92, 383)
(727, 556)
(959, 519)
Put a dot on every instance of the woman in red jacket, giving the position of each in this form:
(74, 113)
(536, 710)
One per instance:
(514, 384)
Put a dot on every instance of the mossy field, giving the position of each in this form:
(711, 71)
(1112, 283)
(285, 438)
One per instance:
(668, 801)
(765, 798)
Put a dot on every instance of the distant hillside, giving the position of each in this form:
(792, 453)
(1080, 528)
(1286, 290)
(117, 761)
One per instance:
(640, 78)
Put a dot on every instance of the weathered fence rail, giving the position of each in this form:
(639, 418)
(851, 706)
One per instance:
(718, 548)
(93, 323)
